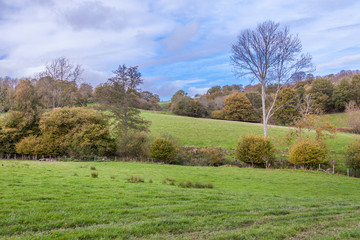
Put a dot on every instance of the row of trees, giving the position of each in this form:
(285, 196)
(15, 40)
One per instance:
(29, 128)
(293, 101)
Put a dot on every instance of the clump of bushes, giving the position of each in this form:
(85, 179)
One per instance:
(197, 156)
(135, 145)
(74, 132)
(217, 114)
(353, 155)
(134, 179)
(308, 152)
(164, 149)
(255, 150)
(189, 184)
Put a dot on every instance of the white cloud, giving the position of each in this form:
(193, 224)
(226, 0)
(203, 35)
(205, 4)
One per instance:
(175, 39)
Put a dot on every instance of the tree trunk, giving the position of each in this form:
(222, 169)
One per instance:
(263, 96)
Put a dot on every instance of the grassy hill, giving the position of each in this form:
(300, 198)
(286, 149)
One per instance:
(220, 133)
(52, 200)
(338, 119)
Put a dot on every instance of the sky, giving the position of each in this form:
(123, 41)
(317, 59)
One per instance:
(183, 44)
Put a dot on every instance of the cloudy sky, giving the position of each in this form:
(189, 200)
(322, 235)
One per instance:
(183, 44)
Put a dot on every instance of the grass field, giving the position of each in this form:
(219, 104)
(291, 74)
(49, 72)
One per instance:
(338, 119)
(52, 200)
(220, 133)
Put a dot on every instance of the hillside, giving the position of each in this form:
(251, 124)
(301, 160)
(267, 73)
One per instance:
(220, 133)
(50, 200)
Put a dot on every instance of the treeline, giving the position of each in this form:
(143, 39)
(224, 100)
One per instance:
(50, 115)
(306, 95)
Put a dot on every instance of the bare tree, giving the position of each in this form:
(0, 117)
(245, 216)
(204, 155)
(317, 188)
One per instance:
(62, 69)
(59, 80)
(271, 56)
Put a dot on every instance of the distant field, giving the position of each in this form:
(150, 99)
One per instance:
(220, 133)
(59, 200)
(164, 103)
(338, 119)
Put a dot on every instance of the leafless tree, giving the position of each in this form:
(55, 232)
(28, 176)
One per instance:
(62, 69)
(271, 56)
(59, 81)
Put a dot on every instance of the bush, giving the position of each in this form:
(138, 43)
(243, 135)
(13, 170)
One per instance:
(75, 132)
(238, 108)
(163, 149)
(353, 155)
(134, 146)
(217, 114)
(308, 152)
(28, 146)
(255, 150)
(197, 156)
(353, 112)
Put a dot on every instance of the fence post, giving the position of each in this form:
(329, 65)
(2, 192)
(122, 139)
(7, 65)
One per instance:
(348, 172)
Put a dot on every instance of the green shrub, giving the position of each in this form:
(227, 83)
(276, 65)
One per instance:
(238, 108)
(217, 114)
(164, 149)
(75, 132)
(255, 150)
(94, 174)
(353, 155)
(308, 152)
(28, 146)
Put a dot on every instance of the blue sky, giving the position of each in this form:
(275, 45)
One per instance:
(181, 44)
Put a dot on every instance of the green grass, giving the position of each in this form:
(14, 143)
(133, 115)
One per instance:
(60, 200)
(164, 103)
(203, 132)
(338, 119)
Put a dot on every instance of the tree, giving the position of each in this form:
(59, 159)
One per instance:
(58, 83)
(355, 89)
(119, 96)
(271, 55)
(62, 69)
(238, 108)
(341, 95)
(321, 92)
(25, 97)
(288, 112)
(353, 155)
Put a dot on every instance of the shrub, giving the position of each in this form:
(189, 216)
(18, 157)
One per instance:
(197, 156)
(353, 112)
(135, 145)
(28, 146)
(135, 179)
(238, 108)
(163, 149)
(255, 150)
(307, 152)
(353, 155)
(94, 174)
(217, 114)
(75, 132)
(93, 168)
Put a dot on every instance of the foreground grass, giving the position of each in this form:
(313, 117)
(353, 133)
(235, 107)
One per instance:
(60, 200)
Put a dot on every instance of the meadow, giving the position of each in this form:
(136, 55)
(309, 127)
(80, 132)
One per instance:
(60, 200)
(204, 132)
